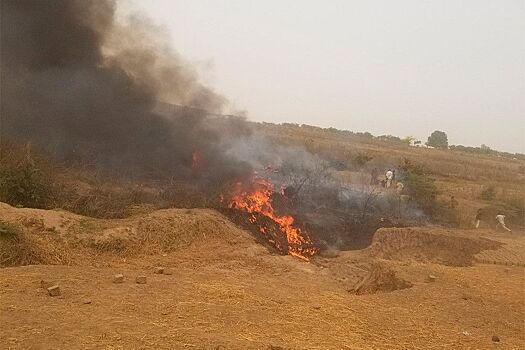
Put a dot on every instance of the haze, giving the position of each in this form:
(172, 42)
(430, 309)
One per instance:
(400, 68)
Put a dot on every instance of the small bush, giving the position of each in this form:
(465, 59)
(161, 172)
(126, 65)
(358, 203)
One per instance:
(8, 231)
(419, 186)
(488, 193)
(361, 160)
(22, 181)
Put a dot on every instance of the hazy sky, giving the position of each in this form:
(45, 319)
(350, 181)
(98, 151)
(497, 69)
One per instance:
(388, 67)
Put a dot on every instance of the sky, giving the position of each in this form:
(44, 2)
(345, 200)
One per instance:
(405, 67)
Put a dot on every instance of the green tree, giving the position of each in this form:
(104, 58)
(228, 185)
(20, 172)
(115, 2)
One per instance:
(409, 139)
(419, 186)
(438, 139)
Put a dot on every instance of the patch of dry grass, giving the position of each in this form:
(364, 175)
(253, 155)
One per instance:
(19, 247)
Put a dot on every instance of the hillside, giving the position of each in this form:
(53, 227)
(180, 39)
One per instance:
(424, 284)
(464, 175)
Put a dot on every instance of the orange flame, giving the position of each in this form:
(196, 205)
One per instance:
(195, 160)
(259, 201)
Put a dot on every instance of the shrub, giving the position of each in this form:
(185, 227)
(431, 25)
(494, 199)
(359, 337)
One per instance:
(23, 183)
(488, 193)
(361, 160)
(8, 231)
(419, 186)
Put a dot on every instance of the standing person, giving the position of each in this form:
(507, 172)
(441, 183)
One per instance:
(399, 188)
(389, 175)
(374, 181)
(501, 222)
(477, 220)
(393, 176)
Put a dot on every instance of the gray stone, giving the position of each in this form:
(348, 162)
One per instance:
(141, 279)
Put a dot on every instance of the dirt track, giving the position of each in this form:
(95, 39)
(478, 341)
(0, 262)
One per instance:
(227, 292)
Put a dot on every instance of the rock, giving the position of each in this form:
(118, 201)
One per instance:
(317, 307)
(495, 339)
(141, 279)
(53, 291)
(159, 270)
(118, 278)
(86, 301)
(431, 278)
(168, 272)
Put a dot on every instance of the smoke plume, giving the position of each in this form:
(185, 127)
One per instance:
(79, 84)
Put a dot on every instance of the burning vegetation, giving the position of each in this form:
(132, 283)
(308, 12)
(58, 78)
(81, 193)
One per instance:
(257, 201)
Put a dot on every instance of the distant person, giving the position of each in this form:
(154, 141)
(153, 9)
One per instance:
(453, 202)
(500, 218)
(374, 181)
(393, 176)
(389, 175)
(399, 188)
(477, 220)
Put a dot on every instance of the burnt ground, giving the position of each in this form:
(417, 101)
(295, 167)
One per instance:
(227, 291)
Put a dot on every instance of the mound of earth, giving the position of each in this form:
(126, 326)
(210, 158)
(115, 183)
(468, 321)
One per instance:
(428, 245)
(59, 237)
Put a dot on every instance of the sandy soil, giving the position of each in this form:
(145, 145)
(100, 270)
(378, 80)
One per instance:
(225, 291)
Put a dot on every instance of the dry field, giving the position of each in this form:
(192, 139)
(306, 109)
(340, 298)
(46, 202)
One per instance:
(413, 288)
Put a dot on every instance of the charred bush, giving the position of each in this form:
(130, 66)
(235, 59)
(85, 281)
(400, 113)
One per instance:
(24, 181)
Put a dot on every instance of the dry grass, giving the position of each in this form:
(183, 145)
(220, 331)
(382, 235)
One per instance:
(20, 247)
(35, 236)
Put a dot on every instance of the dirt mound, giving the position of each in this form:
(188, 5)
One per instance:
(428, 245)
(58, 237)
(18, 247)
(380, 279)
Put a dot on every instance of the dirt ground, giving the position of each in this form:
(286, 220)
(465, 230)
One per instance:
(413, 288)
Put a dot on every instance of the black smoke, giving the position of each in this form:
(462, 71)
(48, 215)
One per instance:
(80, 85)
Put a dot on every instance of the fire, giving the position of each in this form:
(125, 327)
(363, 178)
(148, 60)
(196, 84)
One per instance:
(195, 161)
(258, 201)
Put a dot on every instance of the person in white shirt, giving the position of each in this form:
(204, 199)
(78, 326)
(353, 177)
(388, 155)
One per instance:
(501, 222)
(389, 176)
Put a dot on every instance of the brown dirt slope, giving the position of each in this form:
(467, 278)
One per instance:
(225, 291)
